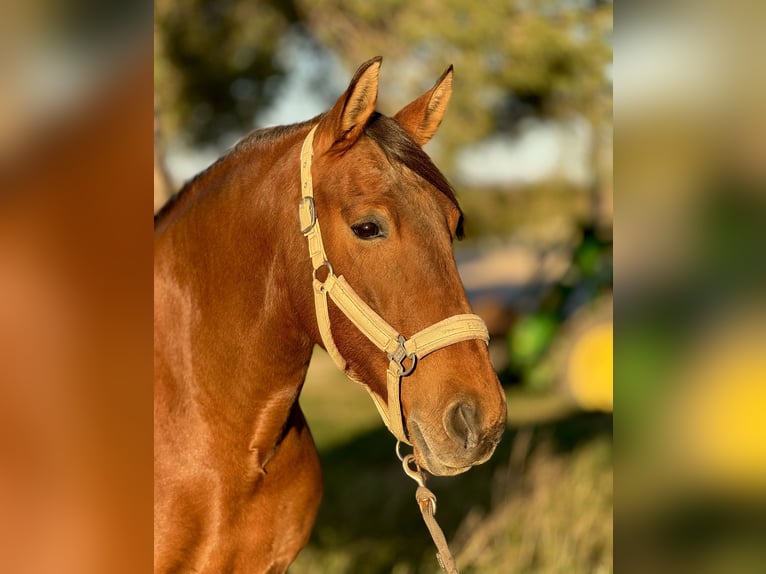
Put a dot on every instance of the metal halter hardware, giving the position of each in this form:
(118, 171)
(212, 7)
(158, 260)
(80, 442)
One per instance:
(327, 265)
(312, 210)
(400, 355)
(397, 347)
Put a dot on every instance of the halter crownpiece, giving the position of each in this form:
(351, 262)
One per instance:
(403, 353)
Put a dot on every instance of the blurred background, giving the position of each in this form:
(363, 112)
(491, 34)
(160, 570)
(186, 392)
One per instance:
(527, 142)
(690, 367)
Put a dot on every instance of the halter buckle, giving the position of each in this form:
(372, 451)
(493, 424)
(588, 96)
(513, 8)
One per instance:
(399, 357)
(307, 214)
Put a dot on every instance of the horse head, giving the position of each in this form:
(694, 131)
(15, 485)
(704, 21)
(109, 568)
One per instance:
(388, 219)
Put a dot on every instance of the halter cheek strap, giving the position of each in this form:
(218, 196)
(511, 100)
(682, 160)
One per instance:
(403, 353)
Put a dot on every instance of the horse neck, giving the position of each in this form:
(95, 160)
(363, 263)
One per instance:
(229, 335)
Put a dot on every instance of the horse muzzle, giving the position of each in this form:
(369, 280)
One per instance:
(461, 441)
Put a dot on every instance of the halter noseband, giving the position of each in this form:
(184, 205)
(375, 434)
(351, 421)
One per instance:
(403, 353)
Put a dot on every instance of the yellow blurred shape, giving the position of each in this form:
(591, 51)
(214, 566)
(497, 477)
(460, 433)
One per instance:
(723, 419)
(590, 368)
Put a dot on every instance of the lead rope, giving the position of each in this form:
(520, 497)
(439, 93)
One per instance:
(427, 503)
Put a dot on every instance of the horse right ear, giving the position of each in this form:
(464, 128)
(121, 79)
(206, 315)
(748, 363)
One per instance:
(344, 123)
(422, 117)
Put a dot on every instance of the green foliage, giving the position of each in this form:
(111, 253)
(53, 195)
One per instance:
(530, 337)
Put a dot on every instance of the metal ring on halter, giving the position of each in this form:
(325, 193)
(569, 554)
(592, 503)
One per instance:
(400, 355)
(330, 271)
(413, 361)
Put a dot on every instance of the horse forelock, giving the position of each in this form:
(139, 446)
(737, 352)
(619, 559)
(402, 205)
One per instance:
(400, 148)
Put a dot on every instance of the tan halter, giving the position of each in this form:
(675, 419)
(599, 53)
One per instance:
(399, 349)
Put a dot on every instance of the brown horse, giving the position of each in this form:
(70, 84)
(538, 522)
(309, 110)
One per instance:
(237, 476)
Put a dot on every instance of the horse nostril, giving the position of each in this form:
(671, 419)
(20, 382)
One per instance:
(461, 422)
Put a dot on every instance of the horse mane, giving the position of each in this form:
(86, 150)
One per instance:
(390, 136)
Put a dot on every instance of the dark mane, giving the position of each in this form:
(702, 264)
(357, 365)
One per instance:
(385, 131)
(400, 148)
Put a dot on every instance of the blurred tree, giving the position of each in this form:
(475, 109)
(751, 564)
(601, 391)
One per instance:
(514, 58)
(214, 63)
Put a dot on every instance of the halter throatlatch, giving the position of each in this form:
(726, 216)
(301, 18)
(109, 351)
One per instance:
(403, 353)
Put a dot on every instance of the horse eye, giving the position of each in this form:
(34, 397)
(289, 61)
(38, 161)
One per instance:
(366, 230)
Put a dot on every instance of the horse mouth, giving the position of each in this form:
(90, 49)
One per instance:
(429, 460)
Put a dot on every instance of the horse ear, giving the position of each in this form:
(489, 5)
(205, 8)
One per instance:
(422, 116)
(344, 123)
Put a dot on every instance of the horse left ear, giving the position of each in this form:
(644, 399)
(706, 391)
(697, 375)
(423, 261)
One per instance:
(422, 117)
(344, 123)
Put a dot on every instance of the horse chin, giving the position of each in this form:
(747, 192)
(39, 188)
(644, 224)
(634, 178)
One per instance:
(436, 468)
(428, 460)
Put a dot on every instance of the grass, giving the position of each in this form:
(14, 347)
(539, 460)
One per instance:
(543, 503)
